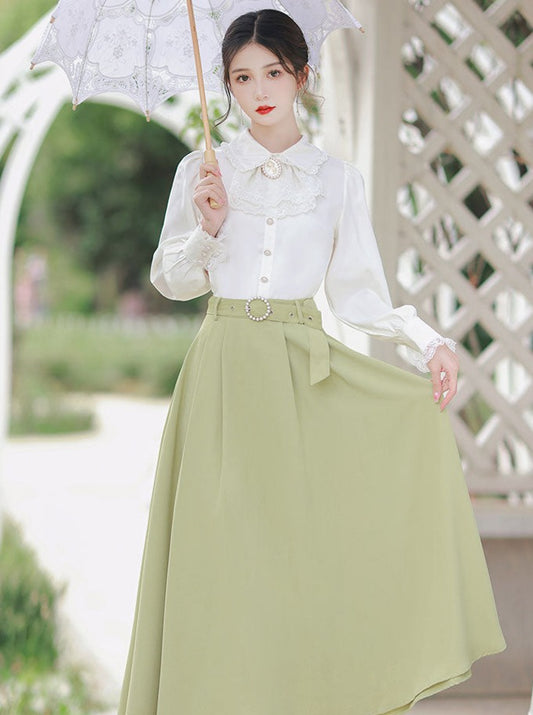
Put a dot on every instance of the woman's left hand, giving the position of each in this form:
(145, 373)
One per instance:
(444, 361)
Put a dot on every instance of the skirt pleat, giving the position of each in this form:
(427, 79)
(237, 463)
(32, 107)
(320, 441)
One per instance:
(310, 549)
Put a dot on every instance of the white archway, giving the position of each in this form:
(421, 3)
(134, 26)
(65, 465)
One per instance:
(29, 104)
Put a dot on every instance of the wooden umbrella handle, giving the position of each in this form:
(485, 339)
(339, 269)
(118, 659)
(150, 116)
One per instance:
(209, 155)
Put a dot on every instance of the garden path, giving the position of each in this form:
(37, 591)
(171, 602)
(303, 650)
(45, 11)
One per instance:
(82, 501)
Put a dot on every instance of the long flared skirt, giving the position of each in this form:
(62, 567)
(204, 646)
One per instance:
(311, 546)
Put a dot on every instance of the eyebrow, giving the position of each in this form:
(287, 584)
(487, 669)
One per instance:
(245, 69)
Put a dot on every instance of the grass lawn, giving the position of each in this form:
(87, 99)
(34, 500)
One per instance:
(83, 355)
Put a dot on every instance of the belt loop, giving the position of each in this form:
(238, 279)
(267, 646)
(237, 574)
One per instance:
(216, 301)
(300, 312)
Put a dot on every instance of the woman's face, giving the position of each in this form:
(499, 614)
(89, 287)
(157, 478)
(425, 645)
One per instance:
(264, 90)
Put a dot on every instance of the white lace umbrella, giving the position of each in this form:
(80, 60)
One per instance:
(148, 49)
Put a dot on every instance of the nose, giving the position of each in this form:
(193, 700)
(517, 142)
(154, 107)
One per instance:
(260, 93)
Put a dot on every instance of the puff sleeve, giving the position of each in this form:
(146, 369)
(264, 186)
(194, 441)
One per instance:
(185, 252)
(356, 287)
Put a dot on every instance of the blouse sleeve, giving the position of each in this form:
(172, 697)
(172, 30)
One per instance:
(356, 287)
(185, 252)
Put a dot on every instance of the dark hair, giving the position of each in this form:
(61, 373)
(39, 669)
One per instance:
(272, 29)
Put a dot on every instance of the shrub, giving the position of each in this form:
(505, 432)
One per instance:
(27, 603)
(30, 681)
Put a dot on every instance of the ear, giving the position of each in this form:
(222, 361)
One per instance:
(304, 76)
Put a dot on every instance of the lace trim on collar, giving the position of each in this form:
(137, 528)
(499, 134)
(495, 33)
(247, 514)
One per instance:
(295, 191)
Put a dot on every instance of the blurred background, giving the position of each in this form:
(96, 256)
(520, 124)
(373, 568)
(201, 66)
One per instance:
(439, 118)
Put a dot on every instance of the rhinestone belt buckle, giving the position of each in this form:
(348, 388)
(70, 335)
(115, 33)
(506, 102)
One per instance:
(255, 317)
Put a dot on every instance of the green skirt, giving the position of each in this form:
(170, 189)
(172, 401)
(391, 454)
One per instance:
(311, 546)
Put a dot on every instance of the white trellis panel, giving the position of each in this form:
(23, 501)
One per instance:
(465, 203)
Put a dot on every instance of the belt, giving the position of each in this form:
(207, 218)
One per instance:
(302, 311)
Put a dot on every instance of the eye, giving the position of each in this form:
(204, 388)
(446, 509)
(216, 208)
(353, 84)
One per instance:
(275, 73)
(242, 78)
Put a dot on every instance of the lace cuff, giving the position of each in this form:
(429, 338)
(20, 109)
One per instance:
(421, 360)
(203, 249)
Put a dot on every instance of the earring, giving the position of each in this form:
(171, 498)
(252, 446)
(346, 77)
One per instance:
(298, 102)
(242, 119)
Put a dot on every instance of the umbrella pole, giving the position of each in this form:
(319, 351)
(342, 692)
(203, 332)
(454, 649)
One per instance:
(209, 154)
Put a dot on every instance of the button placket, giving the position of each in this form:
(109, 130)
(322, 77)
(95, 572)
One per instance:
(265, 271)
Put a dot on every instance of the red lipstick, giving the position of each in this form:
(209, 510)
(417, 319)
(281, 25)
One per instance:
(264, 110)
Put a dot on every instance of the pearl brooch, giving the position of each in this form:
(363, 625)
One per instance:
(261, 317)
(272, 168)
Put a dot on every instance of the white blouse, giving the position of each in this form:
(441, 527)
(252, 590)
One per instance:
(294, 219)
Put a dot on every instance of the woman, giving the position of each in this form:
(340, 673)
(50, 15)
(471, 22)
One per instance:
(311, 547)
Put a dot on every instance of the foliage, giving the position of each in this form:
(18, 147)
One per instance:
(308, 111)
(30, 681)
(99, 189)
(27, 602)
(484, 4)
(96, 355)
(17, 17)
(52, 693)
(69, 287)
(48, 414)
(193, 131)
(516, 28)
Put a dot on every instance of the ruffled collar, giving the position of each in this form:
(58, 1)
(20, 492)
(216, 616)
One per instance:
(246, 153)
(294, 191)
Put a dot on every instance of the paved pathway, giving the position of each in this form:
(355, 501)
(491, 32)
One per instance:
(83, 504)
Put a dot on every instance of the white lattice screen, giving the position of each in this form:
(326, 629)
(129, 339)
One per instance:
(466, 217)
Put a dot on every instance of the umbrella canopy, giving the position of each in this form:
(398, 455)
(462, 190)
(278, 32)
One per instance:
(145, 49)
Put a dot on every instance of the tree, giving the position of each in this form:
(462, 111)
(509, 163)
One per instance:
(99, 190)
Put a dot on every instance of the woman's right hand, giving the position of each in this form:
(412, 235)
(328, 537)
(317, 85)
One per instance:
(209, 187)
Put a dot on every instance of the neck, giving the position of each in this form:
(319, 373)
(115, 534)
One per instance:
(276, 138)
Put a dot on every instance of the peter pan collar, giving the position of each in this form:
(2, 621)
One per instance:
(246, 153)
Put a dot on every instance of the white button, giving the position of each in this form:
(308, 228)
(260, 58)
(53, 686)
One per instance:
(267, 252)
(270, 221)
(264, 279)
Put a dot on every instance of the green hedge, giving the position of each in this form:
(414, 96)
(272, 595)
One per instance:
(86, 356)
(27, 604)
(95, 356)
(30, 679)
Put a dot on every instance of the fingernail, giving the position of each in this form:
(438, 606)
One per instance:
(436, 396)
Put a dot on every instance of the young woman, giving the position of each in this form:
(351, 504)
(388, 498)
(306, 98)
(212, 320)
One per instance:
(311, 547)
